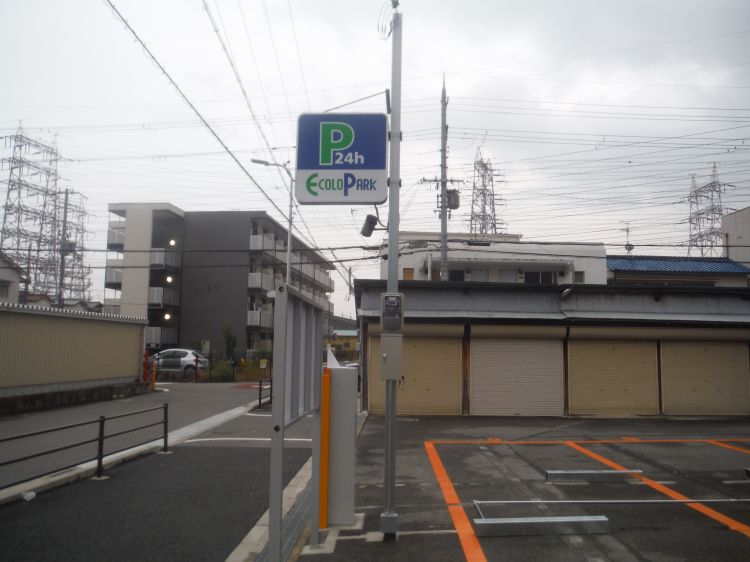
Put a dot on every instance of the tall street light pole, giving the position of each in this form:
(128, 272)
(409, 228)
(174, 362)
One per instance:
(291, 210)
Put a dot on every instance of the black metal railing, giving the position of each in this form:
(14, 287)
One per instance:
(260, 390)
(100, 439)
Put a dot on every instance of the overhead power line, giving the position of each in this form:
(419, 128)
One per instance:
(299, 57)
(195, 109)
(238, 78)
(206, 123)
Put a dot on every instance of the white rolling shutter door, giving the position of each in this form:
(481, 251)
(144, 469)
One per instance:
(516, 377)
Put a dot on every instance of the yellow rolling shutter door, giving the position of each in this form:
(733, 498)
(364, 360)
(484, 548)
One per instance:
(432, 377)
(705, 378)
(613, 377)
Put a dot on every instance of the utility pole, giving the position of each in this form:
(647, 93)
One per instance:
(448, 199)
(63, 253)
(389, 517)
(443, 186)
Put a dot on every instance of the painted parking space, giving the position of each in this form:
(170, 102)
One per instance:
(665, 520)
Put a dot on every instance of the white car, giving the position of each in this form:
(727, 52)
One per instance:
(183, 361)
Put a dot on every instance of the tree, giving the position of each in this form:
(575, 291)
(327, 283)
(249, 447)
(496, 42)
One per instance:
(230, 340)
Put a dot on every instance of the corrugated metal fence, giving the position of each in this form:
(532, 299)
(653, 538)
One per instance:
(46, 350)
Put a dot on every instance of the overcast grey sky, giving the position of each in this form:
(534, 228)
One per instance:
(595, 112)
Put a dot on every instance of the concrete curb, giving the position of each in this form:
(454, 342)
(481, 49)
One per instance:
(88, 469)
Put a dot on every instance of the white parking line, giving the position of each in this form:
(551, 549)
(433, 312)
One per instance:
(302, 439)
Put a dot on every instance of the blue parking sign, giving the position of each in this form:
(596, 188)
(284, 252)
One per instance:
(341, 159)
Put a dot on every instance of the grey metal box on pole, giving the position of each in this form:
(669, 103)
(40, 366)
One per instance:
(391, 356)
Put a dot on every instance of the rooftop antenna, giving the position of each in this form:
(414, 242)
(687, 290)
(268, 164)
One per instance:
(626, 229)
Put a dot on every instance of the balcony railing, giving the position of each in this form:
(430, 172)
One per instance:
(115, 237)
(113, 275)
(260, 319)
(161, 296)
(262, 242)
(258, 280)
(161, 337)
(322, 278)
(262, 346)
(281, 251)
(161, 257)
(111, 306)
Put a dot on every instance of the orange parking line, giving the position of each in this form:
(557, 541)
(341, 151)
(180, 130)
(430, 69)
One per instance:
(728, 446)
(469, 542)
(626, 440)
(669, 492)
(488, 441)
(446, 486)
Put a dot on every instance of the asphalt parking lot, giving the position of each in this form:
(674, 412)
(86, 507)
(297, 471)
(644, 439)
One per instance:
(667, 512)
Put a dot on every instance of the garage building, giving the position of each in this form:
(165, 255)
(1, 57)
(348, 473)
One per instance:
(493, 349)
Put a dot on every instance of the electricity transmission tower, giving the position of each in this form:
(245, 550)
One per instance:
(484, 200)
(705, 216)
(42, 230)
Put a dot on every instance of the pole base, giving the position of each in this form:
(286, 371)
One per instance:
(389, 526)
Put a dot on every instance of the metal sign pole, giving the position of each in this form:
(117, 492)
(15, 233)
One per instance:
(280, 367)
(389, 517)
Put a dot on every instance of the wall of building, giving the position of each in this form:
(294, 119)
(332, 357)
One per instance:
(214, 285)
(486, 301)
(44, 350)
(677, 279)
(10, 276)
(501, 261)
(136, 264)
(736, 227)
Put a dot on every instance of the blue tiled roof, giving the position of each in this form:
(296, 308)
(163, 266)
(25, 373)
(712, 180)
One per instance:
(674, 264)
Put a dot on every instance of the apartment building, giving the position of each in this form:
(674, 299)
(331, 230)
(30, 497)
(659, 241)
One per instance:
(198, 275)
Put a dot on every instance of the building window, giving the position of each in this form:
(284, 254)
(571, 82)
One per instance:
(455, 275)
(4, 289)
(579, 277)
(408, 274)
(538, 277)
